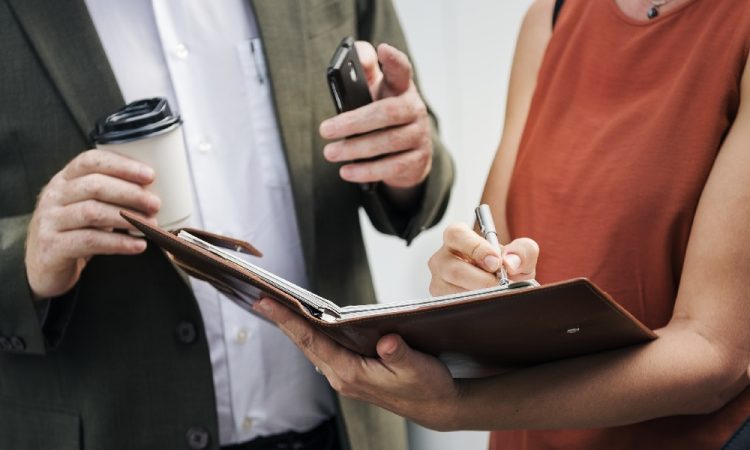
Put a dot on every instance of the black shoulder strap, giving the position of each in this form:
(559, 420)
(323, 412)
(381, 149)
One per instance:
(556, 11)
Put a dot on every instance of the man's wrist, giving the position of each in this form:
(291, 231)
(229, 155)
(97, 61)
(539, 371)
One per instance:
(404, 199)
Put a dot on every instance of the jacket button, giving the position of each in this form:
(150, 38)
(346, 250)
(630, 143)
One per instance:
(186, 332)
(5, 343)
(17, 343)
(197, 438)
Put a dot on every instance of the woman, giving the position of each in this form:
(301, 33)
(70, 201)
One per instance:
(626, 155)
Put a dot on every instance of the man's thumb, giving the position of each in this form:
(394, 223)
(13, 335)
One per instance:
(392, 349)
(396, 69)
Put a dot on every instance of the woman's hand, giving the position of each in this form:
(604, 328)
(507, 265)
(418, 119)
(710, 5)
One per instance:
(466, 261)
(402, 380)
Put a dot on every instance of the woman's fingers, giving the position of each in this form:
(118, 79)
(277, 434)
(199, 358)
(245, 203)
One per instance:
(467, 244)
(520, 257)
(467, 261)
(451, 274)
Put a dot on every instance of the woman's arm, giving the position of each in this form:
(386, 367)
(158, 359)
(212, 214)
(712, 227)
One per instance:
(458, 276)
(699, 362)
(535, 33)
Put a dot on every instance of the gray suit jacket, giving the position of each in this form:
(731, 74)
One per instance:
(122, 360)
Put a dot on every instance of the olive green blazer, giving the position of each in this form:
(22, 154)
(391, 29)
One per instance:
(122, 360)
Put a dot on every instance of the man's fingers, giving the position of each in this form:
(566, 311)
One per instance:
(83, 243)
(520, 257)
(376, 143)
(346, 372)
(463, 241)
(399, 170)
(385, 113)
(409, 366)
(395, 353)
(397, 70)
(318, 347)
(294, 328)
(109, 189)
(369, 59)
(73, 219)
(109, 163)
(91, 214)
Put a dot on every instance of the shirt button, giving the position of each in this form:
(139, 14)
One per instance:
(197, 438)
(186, 332)
(241, 337)
(17, 343)
(247, 424)
(181, 51)
(204, 146)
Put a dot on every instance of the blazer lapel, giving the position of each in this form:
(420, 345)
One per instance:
(283, 30)
(67, 44)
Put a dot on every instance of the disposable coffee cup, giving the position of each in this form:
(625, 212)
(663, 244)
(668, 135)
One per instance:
(148, 131)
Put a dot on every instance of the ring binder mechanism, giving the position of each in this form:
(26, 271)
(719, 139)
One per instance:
(476, 333)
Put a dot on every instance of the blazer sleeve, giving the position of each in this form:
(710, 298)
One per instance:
(378, 23)
(26, 325)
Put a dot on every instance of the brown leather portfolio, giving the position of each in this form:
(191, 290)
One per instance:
(476, 333)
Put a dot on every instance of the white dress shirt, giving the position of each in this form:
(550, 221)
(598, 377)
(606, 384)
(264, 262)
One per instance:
(206, 58)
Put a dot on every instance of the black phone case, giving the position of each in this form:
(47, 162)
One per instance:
(346, 78)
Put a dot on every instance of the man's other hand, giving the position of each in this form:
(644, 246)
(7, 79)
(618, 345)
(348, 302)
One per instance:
(76, 214)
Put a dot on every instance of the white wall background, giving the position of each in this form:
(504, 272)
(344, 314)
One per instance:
(463, 52)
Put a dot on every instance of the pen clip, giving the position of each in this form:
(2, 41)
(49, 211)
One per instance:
(484, 219)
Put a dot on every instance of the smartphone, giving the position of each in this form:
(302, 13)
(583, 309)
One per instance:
(346, 78)
(348, 85)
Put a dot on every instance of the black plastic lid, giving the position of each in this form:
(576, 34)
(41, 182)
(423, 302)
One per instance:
(134, 121)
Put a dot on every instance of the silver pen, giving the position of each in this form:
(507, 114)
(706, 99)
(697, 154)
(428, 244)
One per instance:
(487, 227)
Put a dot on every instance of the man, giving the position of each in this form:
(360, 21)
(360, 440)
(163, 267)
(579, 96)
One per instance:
(105, 345)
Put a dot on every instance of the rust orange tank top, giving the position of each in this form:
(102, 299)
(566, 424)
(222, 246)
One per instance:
(625, 124)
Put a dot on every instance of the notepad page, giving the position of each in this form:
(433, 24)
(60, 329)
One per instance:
(328, 310)
(309, 298)
(412, 305)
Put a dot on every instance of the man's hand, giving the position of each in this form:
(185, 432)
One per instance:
(76, 213)
(410, 383)
(467, 261)
(396, 125)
